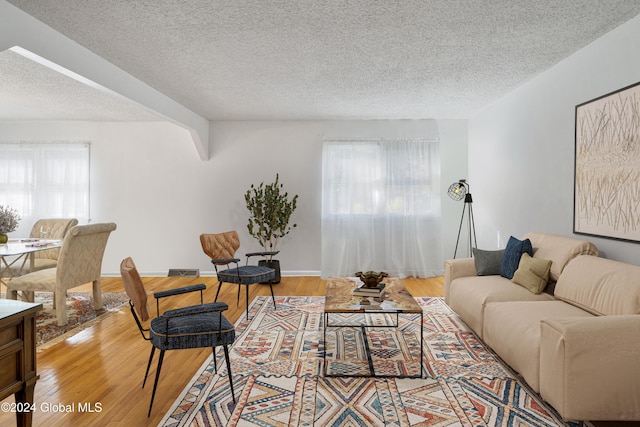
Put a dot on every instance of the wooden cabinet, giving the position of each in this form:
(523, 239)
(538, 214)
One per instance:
(18, 357)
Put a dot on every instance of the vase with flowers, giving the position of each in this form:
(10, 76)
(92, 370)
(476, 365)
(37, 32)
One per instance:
(9, 219)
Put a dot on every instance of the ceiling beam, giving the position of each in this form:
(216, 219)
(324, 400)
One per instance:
(29, 37)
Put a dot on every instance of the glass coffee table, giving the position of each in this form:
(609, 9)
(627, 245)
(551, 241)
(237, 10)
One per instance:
(343, 307)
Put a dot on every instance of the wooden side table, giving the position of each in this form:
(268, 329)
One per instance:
(18, 356)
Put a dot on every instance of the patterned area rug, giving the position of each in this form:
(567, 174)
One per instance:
(277, 368)
(80, 315)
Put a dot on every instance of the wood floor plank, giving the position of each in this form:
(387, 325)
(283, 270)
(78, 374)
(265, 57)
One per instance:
(102, 367)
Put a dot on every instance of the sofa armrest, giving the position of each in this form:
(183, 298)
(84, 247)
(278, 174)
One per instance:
(454, 268)
(590, 368)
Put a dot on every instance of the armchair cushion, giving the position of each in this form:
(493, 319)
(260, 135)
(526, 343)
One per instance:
(247, 274)
(194, 331)
(40, 280)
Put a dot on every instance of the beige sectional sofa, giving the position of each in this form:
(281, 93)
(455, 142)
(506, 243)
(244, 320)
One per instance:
(577, 344)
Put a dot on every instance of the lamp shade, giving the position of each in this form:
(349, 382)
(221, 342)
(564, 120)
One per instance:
(458, 190)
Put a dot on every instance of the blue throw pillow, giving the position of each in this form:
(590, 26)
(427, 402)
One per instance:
(512, 254)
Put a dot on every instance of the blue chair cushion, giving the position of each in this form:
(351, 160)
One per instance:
(209, 329)
(247, 274)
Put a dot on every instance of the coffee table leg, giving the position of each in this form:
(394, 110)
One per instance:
(368, 351)
(421, 342)
(324, 342)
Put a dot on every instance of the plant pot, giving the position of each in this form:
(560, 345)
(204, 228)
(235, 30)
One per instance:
(4, 239)
(275, 264)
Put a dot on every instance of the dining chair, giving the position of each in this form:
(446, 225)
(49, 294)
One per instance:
(221, 248)
(196, 326)
(57, 229)
(80, 262)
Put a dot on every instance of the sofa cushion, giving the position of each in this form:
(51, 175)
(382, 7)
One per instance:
(487, 262)
(600, 286)
(519, 343)
(469, 295)
(512, 254)
(559, 249)
(532, 273)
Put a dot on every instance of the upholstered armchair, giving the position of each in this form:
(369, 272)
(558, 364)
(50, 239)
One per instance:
(221, 248)
(79, 262)
(198, 326)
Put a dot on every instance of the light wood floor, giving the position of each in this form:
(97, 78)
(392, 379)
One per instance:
(105, 363)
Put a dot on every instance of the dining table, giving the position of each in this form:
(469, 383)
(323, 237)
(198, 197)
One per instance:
(17, 255)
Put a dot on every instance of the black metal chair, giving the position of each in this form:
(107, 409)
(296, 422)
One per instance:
(221, 248)
(195, 326)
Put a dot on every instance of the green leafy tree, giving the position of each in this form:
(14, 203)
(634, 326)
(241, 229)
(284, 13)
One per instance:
(270, 210)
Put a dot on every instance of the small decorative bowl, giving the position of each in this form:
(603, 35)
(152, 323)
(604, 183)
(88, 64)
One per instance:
(371, 279)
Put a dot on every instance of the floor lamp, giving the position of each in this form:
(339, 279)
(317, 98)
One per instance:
(458, 191)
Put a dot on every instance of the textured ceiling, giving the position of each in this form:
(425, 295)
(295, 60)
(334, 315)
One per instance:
(309, 59)
(30, 91)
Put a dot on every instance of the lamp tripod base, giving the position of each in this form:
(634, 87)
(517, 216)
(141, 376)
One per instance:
(471, 226)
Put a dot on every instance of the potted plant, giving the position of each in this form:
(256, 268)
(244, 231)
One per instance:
(270, 209)
(9, 219)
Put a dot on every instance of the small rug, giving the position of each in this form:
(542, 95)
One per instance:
(80, 315)
(277, 364)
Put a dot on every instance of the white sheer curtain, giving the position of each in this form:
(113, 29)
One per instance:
(45, 179)
(381, 207)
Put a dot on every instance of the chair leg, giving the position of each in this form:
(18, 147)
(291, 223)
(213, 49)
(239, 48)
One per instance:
(238, 298)
(153, 350)
(226, 356)
(218, 292)
(155, 384)
(272, 296)
(247, 298)
(97, 295)
(29, 296)
(60, 298)
(12, 294)
(215, 362)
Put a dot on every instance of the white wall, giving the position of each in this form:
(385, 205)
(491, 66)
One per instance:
(521, 149)
(148, 178)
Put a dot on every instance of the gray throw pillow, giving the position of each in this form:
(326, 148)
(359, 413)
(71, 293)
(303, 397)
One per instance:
(488, 262)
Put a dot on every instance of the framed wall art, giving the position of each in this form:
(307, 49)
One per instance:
(607, 166)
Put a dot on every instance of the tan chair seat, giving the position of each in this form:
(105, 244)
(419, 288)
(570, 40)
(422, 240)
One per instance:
(40, 280)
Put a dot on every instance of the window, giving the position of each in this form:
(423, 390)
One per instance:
(380, 178)
(45, 179)
(381, 207)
